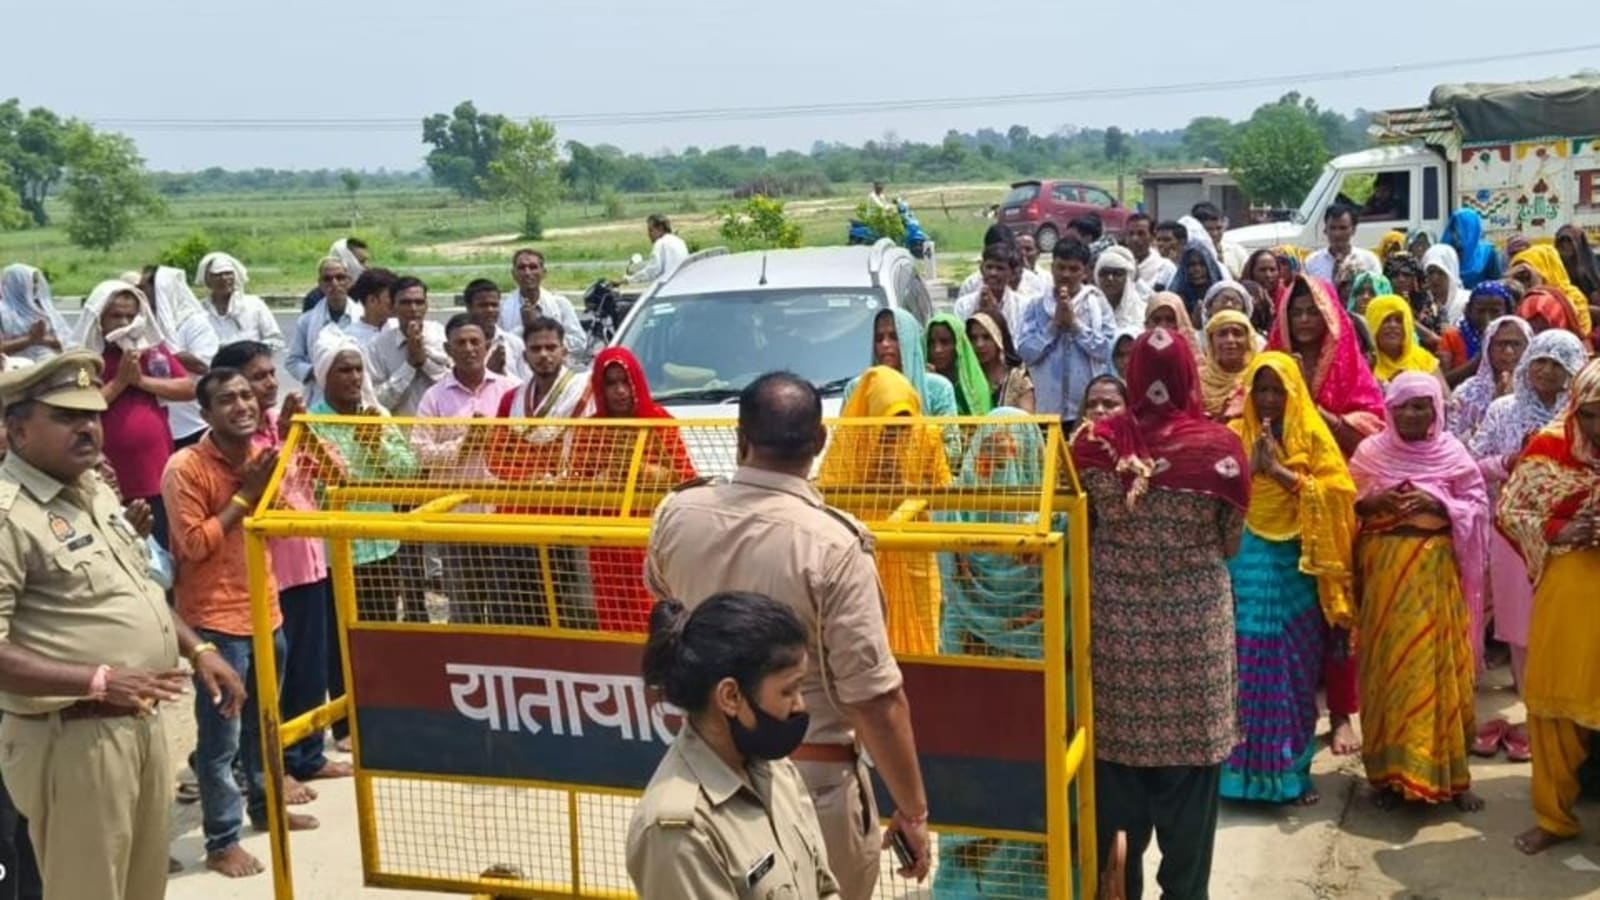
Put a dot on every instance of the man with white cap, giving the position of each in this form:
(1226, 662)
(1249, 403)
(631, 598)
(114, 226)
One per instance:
(89, 648)
(236, 315)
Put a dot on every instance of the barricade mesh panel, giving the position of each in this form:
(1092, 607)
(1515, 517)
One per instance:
(990, 484)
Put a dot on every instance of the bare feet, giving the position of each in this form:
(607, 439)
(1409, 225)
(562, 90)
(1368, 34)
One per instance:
(334, 769)
(1537, 840)
(173, 866)
(297, 822)
(343, 745)
(295, 793)
(1467, 801)
(234, 862)
(1344, 740)
(1309, 798)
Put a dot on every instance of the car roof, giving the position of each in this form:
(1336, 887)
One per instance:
(837, 267)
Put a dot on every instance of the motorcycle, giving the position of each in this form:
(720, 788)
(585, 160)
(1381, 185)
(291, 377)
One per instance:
(915, 240)
(604, 308)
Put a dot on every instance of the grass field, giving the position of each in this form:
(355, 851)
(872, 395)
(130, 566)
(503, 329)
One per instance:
(280, 237)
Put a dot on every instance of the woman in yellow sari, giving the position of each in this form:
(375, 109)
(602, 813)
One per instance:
(1540, 266)
(1394, 335)
(1550, 511)
(1230, 345)
(1420, 563)
(1291, 580)
(898, 461)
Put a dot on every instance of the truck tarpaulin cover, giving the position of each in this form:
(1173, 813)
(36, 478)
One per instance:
(1530, 109)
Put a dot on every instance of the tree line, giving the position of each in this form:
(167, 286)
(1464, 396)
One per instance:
(1275, 155)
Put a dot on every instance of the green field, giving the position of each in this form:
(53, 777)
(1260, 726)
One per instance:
(280, 237)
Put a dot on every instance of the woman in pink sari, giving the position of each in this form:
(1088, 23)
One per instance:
(1312, 326)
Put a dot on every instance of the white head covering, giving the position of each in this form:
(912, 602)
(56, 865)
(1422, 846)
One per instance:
(1228, 284)
(24, 299)
(173, 301)
(352, 266)
(1130, 308)
(330, 343)
(144, 332)
(217, 261)
(1443, 257)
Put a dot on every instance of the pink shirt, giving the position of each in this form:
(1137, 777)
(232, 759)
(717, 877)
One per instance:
(439, 446)
(295, 561)
(137, 438)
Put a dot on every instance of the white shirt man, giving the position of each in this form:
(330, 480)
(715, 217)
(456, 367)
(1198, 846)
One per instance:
(190, 337)
(234, 314)
(667, 252)
(1011, 307)
(337, 309)
(410, 358)
(1033, 284)
(527, 269)
(878, 198)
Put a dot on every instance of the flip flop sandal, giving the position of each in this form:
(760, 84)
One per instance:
(1518, 747)
(1487, 742)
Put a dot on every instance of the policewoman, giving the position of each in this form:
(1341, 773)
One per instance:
(726, 815)
(89, 648)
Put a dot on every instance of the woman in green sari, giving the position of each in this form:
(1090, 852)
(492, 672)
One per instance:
(950, 354)
(994, 606)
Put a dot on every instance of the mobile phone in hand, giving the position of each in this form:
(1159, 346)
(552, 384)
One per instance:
(902, 850)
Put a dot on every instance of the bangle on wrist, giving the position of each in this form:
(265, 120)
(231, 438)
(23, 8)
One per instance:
(199, 650)
(97, 682)
(239, 501)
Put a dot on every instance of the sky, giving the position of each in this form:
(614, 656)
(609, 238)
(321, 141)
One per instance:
(377, 67)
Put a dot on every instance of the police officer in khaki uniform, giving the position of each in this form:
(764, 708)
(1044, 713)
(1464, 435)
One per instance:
(88, 649)
(726, 816)
(768, 532)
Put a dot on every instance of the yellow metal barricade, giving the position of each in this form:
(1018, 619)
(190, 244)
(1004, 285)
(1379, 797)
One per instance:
(487, 577)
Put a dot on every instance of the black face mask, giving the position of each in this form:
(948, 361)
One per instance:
(771, 738)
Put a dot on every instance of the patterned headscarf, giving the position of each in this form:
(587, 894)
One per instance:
(1527, 413)
(1555, 481)
(1472, 397)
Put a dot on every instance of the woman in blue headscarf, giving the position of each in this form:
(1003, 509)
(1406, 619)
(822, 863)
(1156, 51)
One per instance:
(1479, 260)
(994, 606)
(30, 326)
(1198, 270)
(899, 343)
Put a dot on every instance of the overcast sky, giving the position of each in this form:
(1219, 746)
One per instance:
(192, 60)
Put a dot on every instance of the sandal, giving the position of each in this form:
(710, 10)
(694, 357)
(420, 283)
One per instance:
(1488, 739)
(1518, 747)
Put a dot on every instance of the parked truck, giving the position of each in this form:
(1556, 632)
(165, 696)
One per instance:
(1526, 156)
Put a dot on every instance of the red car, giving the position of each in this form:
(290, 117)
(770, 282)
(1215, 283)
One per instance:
(1043, 209)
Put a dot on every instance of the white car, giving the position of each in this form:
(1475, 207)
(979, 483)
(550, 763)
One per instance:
(723, 319)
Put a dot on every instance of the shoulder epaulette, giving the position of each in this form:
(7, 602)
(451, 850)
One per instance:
(8, 495)
(862, 533)
(675, 801)
(702, 481)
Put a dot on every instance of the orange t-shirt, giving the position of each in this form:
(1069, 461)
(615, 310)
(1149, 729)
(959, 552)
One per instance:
(212, 587)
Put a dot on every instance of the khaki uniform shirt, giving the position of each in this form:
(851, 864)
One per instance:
(706, 832)
(74, 580)
(771, 534)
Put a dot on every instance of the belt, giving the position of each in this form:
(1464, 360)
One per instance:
(824, 753)
(85, 709)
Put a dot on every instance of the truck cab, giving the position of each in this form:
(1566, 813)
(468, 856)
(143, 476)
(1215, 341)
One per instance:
(1398, 188)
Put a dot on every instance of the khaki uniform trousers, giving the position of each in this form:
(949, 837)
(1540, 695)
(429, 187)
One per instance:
(97, 794)
(848, 814)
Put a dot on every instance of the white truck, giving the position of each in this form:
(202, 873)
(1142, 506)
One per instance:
(1526, 156)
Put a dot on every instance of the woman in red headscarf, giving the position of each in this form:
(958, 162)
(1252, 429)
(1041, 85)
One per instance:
(605, 454)
(1163, 650)
(1313, 327)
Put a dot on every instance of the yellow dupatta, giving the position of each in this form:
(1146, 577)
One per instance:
(1218, 385)
(1412, 357)
(1546, 261)
(1322, 513)
(869, 455)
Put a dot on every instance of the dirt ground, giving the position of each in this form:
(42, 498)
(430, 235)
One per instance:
(1344, 847)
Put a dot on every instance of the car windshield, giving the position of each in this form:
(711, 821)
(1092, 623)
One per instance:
(1020, 194)
(1314, 196)
(707, 347)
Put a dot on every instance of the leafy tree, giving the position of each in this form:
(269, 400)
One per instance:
(1278, 154)
(464, 143)
(352, 185)
(588, 173)
(12, 215)
(1117, 148)
(32, 154)
(758, 224)
(1207, 137)
(107, 190)
(526, 170)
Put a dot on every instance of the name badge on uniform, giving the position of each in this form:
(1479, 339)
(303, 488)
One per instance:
(759, 870)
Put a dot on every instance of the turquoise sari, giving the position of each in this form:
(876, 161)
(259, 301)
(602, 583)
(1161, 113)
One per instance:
(994, 606)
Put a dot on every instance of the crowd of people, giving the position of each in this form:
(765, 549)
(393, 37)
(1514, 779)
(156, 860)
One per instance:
(1362, 466)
